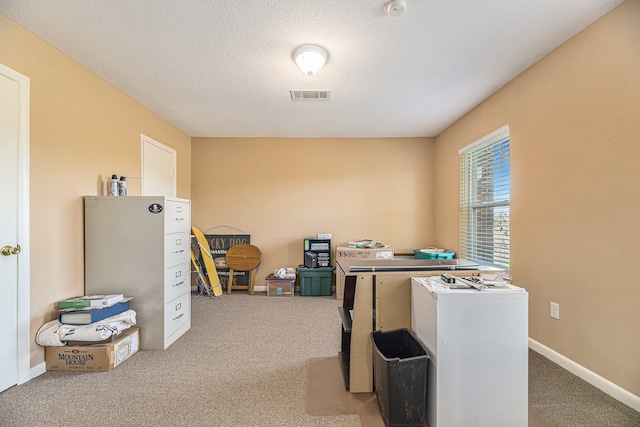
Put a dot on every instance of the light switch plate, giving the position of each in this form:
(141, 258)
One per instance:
(555, 310)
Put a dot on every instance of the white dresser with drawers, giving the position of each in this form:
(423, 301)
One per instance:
(140, 246)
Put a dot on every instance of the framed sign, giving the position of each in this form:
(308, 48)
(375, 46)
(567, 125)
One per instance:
(219, 245)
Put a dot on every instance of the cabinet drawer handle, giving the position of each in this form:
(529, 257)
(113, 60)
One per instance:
(177, 317)
(178, 284)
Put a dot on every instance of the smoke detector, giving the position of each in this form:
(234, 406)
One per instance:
(396, 8)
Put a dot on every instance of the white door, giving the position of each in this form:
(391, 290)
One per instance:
(158, 168)
(14, 237)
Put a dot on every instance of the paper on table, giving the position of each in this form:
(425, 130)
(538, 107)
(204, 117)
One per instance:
(496, 279)
(435, 286)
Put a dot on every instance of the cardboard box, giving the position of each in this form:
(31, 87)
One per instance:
(94, 358)
(346, 253)
(340, 278)
(317, 253)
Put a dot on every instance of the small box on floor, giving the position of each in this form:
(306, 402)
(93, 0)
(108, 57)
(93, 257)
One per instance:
(94, 358)
(280, 287)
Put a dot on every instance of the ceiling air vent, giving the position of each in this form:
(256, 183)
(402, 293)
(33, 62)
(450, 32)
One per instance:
(317, 95)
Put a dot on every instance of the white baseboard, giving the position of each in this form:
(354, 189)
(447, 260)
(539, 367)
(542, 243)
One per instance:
(255, 289)
(37, 370)
(592, 378)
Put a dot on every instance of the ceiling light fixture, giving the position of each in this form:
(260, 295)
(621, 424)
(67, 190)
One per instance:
(310, 58)
(396, 8)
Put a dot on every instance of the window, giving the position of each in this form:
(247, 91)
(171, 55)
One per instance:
(485, 193)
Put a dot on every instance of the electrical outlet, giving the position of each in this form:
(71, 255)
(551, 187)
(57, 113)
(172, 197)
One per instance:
(555, 310)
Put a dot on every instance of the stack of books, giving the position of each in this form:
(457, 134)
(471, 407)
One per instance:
(87, 309)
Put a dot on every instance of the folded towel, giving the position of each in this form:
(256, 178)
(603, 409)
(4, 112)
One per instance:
(55, 334)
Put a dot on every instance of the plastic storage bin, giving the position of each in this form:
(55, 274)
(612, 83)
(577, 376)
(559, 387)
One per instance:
(280, 287)
(420, 254)
(400, 377)
(315, 281)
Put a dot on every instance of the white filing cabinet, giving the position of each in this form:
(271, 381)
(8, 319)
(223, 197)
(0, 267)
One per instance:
(478, 342)
(140, 246)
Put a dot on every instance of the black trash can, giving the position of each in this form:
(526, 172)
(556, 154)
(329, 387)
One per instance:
(400, 377)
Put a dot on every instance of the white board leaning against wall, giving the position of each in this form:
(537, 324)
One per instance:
(158, 167)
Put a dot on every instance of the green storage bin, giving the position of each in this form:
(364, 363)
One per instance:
(315, 282)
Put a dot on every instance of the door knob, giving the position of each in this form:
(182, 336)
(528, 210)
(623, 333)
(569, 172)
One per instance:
(10, 250)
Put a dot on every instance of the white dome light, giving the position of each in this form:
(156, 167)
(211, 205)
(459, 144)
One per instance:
(310, 58)
(396, 8)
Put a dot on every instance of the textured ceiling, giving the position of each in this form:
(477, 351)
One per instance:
(224, 68)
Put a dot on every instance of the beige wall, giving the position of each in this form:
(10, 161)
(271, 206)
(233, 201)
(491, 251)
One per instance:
(575, 162)
(282, 190)
(82, 131)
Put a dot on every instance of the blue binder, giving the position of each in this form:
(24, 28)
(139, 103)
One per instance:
(86, 317)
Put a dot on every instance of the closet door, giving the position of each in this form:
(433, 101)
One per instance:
(158, 166)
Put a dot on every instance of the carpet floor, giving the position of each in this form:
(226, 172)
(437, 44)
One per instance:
(254, 361)
(326, 395)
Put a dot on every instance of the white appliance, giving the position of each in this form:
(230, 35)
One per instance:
(478, 346)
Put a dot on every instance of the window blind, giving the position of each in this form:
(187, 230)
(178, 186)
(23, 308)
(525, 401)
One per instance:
(485, 194)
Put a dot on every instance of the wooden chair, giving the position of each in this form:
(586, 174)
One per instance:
(242, 258)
